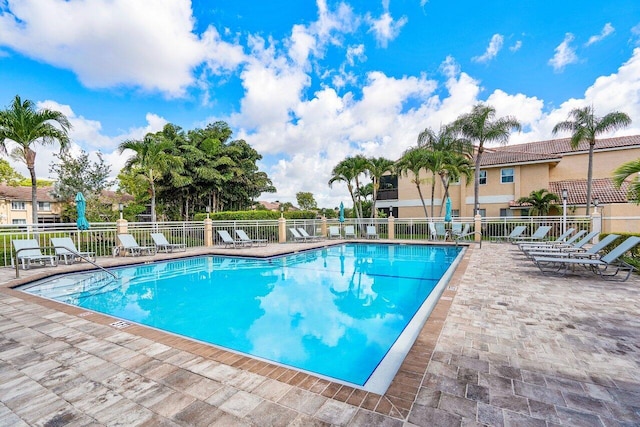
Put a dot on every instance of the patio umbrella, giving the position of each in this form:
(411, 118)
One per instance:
(81, 206)
(341, 218)
(447, 215)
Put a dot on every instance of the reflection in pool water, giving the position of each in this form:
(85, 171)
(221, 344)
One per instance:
(334, 311)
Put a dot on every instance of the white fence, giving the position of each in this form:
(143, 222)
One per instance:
(101, 238)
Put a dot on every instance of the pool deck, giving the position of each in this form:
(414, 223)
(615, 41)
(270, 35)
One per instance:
(505, 346)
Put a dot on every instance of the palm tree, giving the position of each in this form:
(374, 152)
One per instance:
(540, 201)
(349, 171)
(24, 125)
(586, 126)
(376, 168)
(625, 171)
(413, 160)
(455, 167)
(153, 158)
(480, 126)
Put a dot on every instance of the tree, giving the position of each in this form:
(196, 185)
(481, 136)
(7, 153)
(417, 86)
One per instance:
(541, 201)
(79, 174)
(9, 175)
(623, 172)
(306, 201)
(586, 126)
(377, 167)
(481, 126)
(26, 126)
(349, 171)
(152, 156)
(413, 160)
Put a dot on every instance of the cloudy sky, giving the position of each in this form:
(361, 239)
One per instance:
(307, 83)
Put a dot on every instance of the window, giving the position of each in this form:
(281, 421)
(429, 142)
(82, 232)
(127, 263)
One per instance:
(44, 206)
(18, 206)
(506, 212)
(455, 213)
(483, 178)
(482, 212)
(506, 175)
(19, 221)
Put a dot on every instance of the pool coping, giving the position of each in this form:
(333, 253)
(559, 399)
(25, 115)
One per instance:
(397, 400)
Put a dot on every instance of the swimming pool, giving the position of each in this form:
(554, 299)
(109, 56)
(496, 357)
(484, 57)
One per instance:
(348, 313)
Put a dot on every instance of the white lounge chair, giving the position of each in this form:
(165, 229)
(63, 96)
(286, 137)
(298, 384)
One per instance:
(438, 231)
(334, 232)
(66, 250)
(371, 232)
(607, 267)
(246, 239)
(229, 241)
(308, 236)
(28, 252)
(349, 231)
(131, 247)
(297, 237)
(163, 245)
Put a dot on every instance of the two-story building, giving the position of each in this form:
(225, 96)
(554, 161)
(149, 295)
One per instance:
(510, 172)
(15, 205)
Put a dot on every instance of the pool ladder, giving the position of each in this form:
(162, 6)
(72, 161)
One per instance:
(17, 262)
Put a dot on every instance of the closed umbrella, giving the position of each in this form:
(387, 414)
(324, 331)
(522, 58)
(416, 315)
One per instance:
(81, 207)
(341, 218)
(447, 215)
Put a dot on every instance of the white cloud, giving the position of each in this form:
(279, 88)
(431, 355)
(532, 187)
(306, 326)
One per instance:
(495, 44)
(606, 31)
(385, 28)
(146, 44)
(516, 47)
(564, 55)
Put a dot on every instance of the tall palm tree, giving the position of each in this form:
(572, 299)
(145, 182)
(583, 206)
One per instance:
(540, 201)
(455, 167)
(349, 171)
(24, 125)
(586, 126)
(480, 126)
(626, 170)
(376, 168)
(153, 158)
(413, 160)
(434, 161)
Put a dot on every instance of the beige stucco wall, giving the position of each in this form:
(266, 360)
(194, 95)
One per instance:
(574, 166)
(621, 218)
(7, 215)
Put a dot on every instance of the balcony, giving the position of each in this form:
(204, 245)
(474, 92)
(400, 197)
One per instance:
(388, 194)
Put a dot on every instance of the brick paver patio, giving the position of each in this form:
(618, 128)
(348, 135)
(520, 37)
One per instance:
(505, 346)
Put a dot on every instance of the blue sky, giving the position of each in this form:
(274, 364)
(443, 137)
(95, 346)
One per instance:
(308, 83)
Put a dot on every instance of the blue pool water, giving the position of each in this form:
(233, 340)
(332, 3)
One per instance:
(334, 311)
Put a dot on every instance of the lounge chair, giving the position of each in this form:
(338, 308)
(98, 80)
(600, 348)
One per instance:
(371, 232)
(248, 240)
(563, 239)
(592, 252)
(163, 245)
(437, 231)
(297, 237)
(131, 247)
(538, 235)
(607, 267)
(349, 231)
(66, 250)
(565, 247)
(515, 233)
(334, 231)
(230, 242)
(460, 230)
(29, 252)
(308, 236)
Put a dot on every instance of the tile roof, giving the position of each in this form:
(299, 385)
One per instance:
(549, 150)
(602, 189)
(24, 193)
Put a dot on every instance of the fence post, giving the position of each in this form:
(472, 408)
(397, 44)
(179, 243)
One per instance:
(122, 226)
(477, 228)
(323, 226)
(391, 227)
(596, 224)
(282, 230)
(208, 232)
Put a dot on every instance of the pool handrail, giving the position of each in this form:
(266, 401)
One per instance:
(17, 264)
